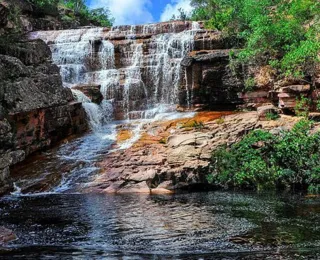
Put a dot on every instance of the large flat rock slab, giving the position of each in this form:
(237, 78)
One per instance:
(175, 155)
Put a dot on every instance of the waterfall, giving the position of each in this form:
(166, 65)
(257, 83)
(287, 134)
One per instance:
(106, 56)
(98, 114)
(137, 67)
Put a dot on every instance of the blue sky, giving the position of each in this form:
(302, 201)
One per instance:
(141, 11)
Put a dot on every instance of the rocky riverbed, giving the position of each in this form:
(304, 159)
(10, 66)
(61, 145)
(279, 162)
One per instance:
(175, 155)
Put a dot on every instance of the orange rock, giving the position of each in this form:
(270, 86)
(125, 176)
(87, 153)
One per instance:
(124, 135)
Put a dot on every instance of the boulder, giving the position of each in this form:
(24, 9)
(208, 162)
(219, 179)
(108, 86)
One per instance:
(12, 68)
(33, 52)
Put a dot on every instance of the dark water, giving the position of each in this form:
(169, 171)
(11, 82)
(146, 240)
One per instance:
(213, 225)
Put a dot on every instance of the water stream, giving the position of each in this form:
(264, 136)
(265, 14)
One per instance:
(140, 83)
(138, 79)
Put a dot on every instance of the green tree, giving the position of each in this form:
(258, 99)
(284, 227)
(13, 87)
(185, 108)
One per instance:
(284, 33)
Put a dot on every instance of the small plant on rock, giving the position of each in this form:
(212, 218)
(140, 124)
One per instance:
(194, 124)
(272, 116)
(249, 84)
(302, 106)
(220, 121)
(162, 141)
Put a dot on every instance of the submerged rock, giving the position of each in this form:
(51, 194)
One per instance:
(6, 235)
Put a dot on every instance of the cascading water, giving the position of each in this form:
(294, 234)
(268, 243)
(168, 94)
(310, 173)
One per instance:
(98, 115)
(137, 69)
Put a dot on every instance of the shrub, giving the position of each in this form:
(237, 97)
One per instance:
(220, 121)
(44, 3)
(10, 37)
(262, 160)
(249, 84)
(163, 140)
(99, 16)
(272, 116)
(302, 106)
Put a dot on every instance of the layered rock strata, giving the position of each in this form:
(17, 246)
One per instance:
(210, 82)
(175, 155)
(6, 235)
(36, 111)
(139, 67)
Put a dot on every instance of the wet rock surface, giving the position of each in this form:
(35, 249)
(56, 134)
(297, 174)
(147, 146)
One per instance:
(175, 155)
(36, 111)
(138, 67)
(91, 91)
(6, 235)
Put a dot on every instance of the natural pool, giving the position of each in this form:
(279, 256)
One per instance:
(208, 225)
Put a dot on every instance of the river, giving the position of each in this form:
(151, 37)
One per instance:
(208, 225)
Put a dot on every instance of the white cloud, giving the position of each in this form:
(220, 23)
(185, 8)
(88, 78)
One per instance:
(126, 12)
(173, 9)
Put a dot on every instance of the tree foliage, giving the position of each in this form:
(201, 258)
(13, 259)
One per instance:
(99, 17)
(285, 33)
(263, 160)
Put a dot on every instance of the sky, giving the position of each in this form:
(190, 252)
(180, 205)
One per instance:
(141, 11)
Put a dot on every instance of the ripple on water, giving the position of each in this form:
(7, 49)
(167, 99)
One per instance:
(200, 224)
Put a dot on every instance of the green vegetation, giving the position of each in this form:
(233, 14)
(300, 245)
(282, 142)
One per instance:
(163, 140)
(78, 8)
(220, 121)
(302, 106)
(43, 3)
(193, 124)
(272, 116)
(282, 33)
(318, 104)
(263, 160)
(7, 38)
(249, 84)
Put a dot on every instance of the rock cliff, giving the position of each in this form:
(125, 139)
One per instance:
(139, 67)
(36, 111)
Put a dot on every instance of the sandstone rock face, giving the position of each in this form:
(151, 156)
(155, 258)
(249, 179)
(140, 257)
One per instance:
(210, 83)
(139, 67)
(36, 111)
(182, 160)
(266, 111)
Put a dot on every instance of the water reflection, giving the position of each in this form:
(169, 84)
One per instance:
(135, 226)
